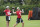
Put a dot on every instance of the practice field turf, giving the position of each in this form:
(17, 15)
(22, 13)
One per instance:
(27, 23)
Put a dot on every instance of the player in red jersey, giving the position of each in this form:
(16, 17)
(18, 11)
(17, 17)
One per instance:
(19, 19)
(7, 12)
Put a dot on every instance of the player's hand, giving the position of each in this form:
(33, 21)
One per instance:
(22, 11)
(9, 13)
(13, 8)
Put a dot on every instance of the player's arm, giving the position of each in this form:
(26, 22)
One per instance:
(4, 12)
(22, 11)
(14, 12)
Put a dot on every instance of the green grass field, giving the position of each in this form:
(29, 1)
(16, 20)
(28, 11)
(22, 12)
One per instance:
(27, 23)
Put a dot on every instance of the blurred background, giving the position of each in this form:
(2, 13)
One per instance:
(23, 4)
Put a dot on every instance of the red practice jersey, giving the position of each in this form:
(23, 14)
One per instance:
(18, 14)
(7, 11)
